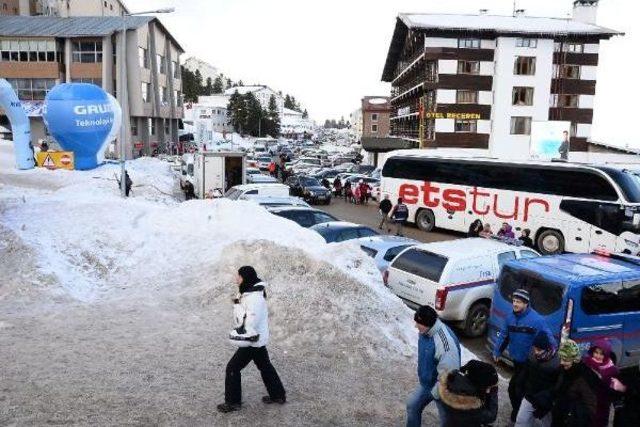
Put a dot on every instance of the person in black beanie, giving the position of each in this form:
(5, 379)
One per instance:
(469, 395)
(438, 352)
(250, 333)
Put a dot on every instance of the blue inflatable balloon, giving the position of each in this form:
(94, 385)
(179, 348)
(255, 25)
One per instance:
(80, 116)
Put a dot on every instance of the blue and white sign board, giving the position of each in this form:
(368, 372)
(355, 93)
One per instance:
(81, 117)
(546, 138)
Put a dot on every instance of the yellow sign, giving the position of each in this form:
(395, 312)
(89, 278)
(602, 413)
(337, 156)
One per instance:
(55, 159)
(457, 116)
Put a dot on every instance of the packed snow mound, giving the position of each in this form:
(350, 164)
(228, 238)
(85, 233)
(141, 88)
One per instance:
(315, 307)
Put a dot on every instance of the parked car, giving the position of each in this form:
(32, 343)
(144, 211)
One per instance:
(580, 296)
(455, 277)
(303, 216)
(340, 231)
(275, 201)
(263, 163)
(329, 174)
(309, 189)
(261, 179)
(383, 249)
(365, 169)
(279, 190)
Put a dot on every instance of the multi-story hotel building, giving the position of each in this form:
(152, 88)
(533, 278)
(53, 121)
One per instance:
(38, 52)
(479, 81)
(63, 8)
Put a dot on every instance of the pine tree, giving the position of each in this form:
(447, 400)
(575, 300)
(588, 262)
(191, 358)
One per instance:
(189, 85)
(208, 89)
(272, 121)
(240, 83)
(254, 114)
(237, 111)
(199, 86)
(229, 83)
(305, 114)
(217, 85)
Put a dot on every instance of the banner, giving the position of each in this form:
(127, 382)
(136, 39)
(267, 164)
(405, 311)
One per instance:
(547, 138)
(20, 127)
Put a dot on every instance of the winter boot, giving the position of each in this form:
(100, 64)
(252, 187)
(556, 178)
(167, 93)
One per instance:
(268, 400)
(228, 407)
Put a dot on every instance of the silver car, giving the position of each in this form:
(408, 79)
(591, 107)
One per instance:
(383, 249)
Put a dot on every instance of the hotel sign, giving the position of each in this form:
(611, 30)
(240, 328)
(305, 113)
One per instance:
(404, 111)
(457, 116)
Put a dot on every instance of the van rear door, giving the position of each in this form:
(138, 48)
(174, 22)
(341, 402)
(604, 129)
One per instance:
(415, 275)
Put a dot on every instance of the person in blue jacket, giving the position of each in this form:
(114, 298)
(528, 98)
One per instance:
(516, 334)
(438, 352)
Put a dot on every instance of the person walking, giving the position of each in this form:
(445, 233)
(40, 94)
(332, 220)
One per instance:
(399, 214)
(516, 333)
(337, 187)
(575, 403)
(525, 238)
(598, 359)
(384, 209)
(347, 191)
(538, 381)
(475, 228)
(251, 335)
(438, 352)
(469, 396)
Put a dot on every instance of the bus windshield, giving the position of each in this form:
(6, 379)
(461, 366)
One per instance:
(629, 182)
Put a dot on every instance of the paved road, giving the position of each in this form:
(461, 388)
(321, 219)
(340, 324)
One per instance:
(368, 215)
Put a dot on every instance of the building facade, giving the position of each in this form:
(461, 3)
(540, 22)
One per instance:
(210, 113)
(376, 114)
(480, 81)
(294, 126)
(63, 8)
(355, 118)
(39, 52)
(263, 95)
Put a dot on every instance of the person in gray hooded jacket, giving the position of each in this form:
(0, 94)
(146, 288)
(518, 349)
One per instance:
(251, 335)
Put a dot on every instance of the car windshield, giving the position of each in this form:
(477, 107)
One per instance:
(233, 193)
(309, 182)
(366, 232)
(264, 159)
(546, 296)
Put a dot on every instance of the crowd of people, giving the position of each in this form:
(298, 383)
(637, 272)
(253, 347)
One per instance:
(478, 229)
(553, 384)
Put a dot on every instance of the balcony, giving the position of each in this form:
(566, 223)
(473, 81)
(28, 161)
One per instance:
(402, 65)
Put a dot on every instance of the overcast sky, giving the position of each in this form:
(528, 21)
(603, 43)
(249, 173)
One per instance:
(330, 53)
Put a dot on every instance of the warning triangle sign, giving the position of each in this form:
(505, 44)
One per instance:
(49, 163)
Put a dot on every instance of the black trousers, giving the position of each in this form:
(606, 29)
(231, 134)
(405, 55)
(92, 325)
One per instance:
(233, 379)
(516, 393)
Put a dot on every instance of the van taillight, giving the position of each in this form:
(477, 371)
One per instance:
(566, 327)
(385, 277)
(441, 298)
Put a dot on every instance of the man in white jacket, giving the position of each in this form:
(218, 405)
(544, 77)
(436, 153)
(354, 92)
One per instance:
(251, 334)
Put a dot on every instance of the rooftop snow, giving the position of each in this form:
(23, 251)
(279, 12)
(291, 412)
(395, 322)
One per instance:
(519, 24)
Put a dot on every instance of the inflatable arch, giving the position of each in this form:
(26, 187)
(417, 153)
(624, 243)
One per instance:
(19, 126)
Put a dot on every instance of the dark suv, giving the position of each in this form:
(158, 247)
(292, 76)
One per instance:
(309, 189)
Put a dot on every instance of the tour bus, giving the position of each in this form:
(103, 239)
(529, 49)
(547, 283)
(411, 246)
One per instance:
(567, 206)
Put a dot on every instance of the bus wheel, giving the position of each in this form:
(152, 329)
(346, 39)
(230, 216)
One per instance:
(425, 220)
(550, 242)
(475, 324)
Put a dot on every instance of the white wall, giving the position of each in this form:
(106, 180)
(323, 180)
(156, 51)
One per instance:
(502, 143)
(440, 42)
(591, 48)
(484, 126)
(446, 96)
(445, 125)
(447, 66)
(583, 130)
(485, 97)
(585, 101)
(588, 72)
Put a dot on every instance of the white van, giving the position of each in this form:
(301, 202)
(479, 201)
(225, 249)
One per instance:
(274, 190)
(456, 278)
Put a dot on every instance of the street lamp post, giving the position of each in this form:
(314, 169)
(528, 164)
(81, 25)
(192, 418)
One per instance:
(124, 95)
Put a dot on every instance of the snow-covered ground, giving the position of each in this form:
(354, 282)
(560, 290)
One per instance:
(116, 311)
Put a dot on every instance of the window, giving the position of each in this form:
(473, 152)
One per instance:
(30, 50)
(348, 234)
(522, 96)
(374, 128)
(467, 97)
(504, 257)
(573, 47)
(525, 66)
(366, 232)
(371, 252)
(143, 57)
(162, 91)
(321, 217)
(569, 182)
(374, 117)
(421, 263)
(178, 97)
(134, 127)
(526, 42)
(393, 252)
(87, 52)
(520, 125)
(32, 89)
(570, 71)
(602, 299)
(469, 43)
(466, 126)
(631, 296)
(146, 92)
(606, 216)
(161, 63)
(568, 101)
(151, 124)
(167, 127)
(176, 70)
(468, 67)
(546, 296)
